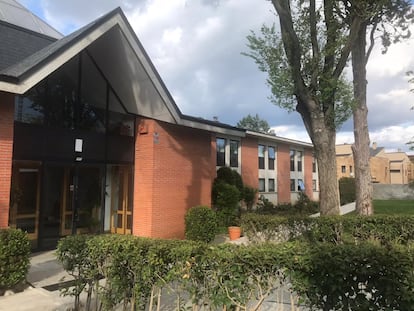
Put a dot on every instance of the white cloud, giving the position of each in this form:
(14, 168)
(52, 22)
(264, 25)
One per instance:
(196, 45)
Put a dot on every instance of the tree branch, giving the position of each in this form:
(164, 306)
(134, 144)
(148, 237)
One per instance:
(371, 42)
(346, 50)
(292, 47)
(315, 46)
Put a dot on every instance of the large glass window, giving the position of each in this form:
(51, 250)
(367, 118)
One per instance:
(234, 153)
(271, 185)
(292, 160)
(261, 185)
(299, 155)
(313, 164)
(261, 151)
(119, 123)
(61, 96)
(271, 157)
(221, 151)
(292, 185)
(94, 97)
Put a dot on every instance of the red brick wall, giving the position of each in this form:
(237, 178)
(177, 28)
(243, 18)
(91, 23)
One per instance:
(308, 173)
(249, 162)
(173, 172)
(6, 154)
(283, 173)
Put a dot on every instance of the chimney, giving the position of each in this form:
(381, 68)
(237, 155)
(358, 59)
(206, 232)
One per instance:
(215, 118)
(374, 146)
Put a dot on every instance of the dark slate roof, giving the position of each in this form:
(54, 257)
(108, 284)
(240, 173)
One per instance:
(18, 43)
(374, 152)
(31, 63)
(210, 122)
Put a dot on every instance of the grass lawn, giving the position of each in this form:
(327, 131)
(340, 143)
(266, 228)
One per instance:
(393, 207)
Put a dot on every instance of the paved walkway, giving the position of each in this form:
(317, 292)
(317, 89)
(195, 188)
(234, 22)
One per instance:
(45, 272)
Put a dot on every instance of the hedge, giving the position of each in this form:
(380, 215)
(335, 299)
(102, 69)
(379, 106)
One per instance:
(333, 229)
(14, 258)
(139, 272)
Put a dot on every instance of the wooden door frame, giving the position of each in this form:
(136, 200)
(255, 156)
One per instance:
(17, 167)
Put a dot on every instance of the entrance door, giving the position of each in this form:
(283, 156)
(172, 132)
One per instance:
(89, 199)
(121, 200)
(25, 199)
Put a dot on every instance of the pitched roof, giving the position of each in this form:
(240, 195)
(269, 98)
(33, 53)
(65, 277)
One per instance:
(14, 13)
(112, 43)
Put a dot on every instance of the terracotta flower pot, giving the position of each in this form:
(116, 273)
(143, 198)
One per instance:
(234, 233)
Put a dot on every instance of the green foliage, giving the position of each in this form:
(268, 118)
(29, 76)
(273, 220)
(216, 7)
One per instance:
(383, 230)
(267, 50)
(74, 256)
(227, 204)
(200, 224)
(303, 206)
(356, 277)
(347, 190)
(227, 191)
(254, 123)
(364, 276)
(14, 258)
(249, 197)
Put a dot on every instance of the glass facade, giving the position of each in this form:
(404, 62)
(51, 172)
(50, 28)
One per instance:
(67, 196)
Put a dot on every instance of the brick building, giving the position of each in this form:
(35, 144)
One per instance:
(91, 139)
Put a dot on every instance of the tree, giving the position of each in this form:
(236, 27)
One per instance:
(390, 21)
(305, 65)
(254, 123)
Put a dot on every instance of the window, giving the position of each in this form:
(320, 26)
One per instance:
(301, 185)
(299, 160)
(292, 185)
(343, 169)
(261, 150)
(313, 164)
(271, 185)
(350, 169)
(314, 185)
(292, 160)
(261, 185)
(234, 153)
(221, 151)
(271, 158)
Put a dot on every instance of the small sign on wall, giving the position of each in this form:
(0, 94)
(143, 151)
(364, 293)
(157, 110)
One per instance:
(78, 145)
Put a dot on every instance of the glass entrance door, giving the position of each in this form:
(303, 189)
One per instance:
(121, 200)
(24, 199)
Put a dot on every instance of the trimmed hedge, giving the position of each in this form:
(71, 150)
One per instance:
(333, 229)
(328, 276)
(200, 224)
(14, 258)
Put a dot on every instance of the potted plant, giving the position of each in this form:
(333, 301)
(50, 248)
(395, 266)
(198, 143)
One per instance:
(234, 232)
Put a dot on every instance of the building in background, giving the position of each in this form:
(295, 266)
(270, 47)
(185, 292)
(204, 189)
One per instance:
(92, 141)
(386, 167)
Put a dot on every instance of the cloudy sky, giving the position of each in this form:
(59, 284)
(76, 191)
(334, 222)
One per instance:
(196, 45)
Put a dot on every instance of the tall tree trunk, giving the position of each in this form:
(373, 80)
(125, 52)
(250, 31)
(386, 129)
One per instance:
(361, 148)
(323, 138)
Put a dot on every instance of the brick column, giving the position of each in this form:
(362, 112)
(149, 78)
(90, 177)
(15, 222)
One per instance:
(6, 154)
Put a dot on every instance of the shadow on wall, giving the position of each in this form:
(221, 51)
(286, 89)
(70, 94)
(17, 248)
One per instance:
(187, 172)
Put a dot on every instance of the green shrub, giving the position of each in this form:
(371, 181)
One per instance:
(355, 277)
(249, 197)
(200, 224)
(14, 258)
(326, 276)
(347, 190)
(227, 204)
